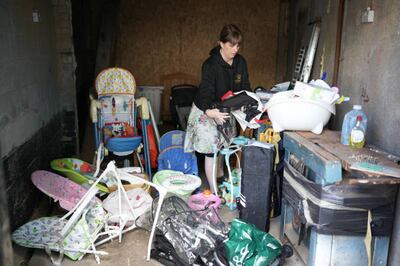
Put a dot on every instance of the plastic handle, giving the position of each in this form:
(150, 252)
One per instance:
(144, 108)
(94, 105)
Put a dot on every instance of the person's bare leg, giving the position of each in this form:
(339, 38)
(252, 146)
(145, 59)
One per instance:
(209, 169)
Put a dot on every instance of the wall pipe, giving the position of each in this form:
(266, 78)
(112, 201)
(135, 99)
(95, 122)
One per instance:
(339, 30)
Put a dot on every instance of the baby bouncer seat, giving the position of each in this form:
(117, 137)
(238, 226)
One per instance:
(114, 113)
(86, 225)
(172, 155)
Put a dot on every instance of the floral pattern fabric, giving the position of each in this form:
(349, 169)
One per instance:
(201, 133)
(114, 81)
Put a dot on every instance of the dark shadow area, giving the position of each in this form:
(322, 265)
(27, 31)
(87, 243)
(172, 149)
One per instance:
(90, 36)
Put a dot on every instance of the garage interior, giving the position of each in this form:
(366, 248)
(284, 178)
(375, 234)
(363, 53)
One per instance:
(52, 51)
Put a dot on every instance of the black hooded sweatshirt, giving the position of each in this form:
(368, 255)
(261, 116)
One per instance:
(218, 77)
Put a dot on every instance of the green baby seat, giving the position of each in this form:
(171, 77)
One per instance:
(177, 182)
(78, 171)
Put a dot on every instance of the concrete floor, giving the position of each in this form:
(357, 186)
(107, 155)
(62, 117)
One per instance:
(132, 250)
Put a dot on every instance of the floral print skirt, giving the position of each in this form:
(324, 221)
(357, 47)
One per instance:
(202, 134)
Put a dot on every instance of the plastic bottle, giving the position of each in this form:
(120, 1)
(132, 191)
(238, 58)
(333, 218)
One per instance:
(357, 135)
(350, 121)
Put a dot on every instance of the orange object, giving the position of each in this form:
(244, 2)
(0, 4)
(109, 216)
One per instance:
(130, 132)
(207, 193)
(85, 168)
(152, 146)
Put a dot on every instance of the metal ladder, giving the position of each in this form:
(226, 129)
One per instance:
(305, 60)
(308, 63)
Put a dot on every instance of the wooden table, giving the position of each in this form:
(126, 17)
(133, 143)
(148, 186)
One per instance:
(329, 149)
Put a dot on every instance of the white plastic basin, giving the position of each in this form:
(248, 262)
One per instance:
(293, 113)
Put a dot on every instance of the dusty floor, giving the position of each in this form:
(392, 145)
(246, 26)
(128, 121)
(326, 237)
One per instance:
(132, 250)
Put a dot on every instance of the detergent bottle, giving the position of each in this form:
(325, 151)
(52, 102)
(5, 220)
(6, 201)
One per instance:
(357, 135)
(350, 121)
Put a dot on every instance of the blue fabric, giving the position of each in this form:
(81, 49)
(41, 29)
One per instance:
(172, 155)
(172, 138)
(176, 159)
(123, 144)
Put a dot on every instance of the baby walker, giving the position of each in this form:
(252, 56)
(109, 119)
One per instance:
(230, 189)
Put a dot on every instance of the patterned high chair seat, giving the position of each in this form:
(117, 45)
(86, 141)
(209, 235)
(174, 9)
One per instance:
(116, 94)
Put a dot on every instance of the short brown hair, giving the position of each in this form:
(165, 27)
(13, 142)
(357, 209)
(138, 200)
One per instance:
(231, 33)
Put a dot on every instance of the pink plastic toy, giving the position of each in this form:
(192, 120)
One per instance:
(59, 188)
(201, 200)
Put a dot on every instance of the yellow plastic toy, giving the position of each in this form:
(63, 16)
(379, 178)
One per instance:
(273, 137)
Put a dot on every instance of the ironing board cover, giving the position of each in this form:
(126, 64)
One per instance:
(115, 81)
(45, 232)
(59, 188)
(78, 171)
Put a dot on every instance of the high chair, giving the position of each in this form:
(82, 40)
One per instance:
(114, 115)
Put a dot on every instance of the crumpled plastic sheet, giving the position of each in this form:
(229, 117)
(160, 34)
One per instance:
(340, 209)
(192, 233)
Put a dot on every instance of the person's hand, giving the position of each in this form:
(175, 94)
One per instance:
(217, 115)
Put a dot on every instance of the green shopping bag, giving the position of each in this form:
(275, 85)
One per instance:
(249, 246)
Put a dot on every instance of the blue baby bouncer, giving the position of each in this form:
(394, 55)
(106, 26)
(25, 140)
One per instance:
(172, 155)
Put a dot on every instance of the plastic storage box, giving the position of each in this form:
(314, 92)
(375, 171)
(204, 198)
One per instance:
(153, 94)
